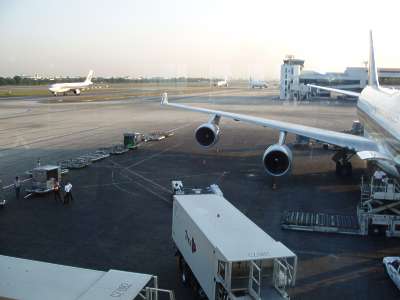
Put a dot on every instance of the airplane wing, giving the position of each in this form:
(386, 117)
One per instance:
(343, 140)
(348, 93)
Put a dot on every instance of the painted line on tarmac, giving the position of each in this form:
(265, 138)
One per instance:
(54, 137)
(116, 185)
(153, 156)
(89, 186)
(154, 193)
(219, 174)
(124, 190)
(155, 184)
(150, 181)
(180, 127)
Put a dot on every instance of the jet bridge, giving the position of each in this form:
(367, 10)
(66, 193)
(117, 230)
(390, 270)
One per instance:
(35, 280)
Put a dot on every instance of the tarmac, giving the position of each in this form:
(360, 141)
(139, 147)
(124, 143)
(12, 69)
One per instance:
(121, 214)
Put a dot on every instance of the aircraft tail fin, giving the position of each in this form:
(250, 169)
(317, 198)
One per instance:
(89, 76)
(372, 70)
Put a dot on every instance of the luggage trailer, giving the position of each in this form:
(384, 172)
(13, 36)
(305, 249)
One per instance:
(223, 254)
(43, 179)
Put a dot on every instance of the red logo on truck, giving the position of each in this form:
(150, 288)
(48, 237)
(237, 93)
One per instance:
(191, 242)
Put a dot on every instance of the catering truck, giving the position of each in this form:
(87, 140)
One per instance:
(222, 254)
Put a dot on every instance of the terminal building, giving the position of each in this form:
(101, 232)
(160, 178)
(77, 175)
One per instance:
(294, 79)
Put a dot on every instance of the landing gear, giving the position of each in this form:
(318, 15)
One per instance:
(344, 167)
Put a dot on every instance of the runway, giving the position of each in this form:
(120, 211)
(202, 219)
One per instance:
(121, 216)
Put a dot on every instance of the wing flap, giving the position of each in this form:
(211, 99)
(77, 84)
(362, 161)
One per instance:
(373, 155)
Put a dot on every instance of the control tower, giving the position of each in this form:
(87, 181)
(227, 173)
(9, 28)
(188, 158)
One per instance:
(290, 74)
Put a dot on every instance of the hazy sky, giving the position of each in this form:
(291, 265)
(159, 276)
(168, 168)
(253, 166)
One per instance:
(193, 38)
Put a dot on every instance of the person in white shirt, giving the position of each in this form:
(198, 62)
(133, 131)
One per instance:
(68, 193)
(378, 176)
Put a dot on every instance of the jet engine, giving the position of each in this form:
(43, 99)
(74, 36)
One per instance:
(207, 134)
(277, 160)
(77, 91)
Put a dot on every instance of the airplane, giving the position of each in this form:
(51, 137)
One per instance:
(261, 84)
(377, 108)
(76, 87)
(221, 83)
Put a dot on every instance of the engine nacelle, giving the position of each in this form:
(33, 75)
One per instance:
(277, 160)
(207, 134)
(77, 91)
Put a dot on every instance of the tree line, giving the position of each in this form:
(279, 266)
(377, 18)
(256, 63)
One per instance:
(18, 80)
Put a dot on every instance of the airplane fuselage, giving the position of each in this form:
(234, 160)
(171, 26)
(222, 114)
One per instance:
(379, 113)
(223, 83)
(258, 84)
(66, 87)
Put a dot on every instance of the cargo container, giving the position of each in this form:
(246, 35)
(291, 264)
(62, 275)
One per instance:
(43, 178)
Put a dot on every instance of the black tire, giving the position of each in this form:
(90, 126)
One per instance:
(339, 169)
(348, 169)
(344, 170)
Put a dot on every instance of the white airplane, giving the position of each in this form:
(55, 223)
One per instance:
(261, 84)
(76, 87)
(221, 83)
(379, 112)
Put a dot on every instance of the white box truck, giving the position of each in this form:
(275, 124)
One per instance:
(223, 254)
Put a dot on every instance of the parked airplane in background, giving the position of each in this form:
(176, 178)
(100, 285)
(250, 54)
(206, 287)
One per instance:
(221, 83)
(379, 113)
(261, 84)
(76, 87)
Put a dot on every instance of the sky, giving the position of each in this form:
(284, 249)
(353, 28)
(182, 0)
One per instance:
(207, 38)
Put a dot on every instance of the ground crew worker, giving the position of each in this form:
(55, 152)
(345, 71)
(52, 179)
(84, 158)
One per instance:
(57, 191)
(17, 186)
(68, 193)
(378, 176)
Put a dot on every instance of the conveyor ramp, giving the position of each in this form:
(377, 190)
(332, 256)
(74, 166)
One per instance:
(321, 222)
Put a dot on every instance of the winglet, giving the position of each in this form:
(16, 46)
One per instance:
(164, 98)
(372, 70)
